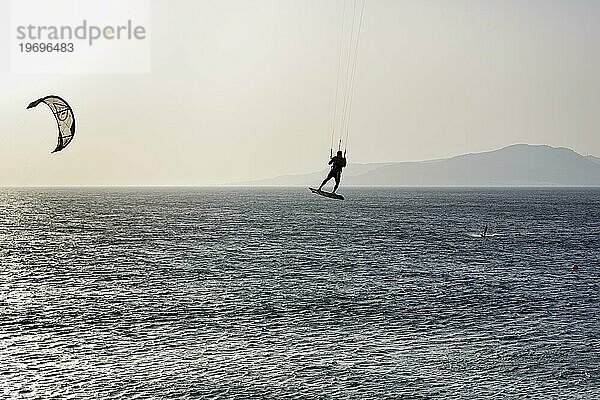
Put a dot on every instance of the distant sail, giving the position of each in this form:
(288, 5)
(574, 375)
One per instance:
(64, 118)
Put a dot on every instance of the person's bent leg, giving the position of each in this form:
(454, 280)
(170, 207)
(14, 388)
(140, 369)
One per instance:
(337, 182)
(324, 182)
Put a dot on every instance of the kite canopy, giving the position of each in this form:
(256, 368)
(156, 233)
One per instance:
(64, 118)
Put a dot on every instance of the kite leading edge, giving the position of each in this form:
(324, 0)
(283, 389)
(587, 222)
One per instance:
(65, 118)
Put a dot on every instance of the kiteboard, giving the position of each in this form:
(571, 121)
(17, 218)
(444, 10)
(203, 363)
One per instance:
(330, 195)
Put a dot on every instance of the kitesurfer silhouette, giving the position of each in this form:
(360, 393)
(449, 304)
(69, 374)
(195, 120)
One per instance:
(485, 230)
(337, 162)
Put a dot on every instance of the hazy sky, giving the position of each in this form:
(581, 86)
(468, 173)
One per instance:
(244, 90)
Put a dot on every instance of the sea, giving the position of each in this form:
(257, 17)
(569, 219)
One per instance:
(277, 293)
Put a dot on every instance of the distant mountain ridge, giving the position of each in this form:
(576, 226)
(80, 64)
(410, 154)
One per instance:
(515, 165)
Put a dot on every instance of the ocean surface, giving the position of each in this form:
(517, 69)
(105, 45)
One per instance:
(279, 293)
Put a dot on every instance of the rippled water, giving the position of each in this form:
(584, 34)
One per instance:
(277, 293)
